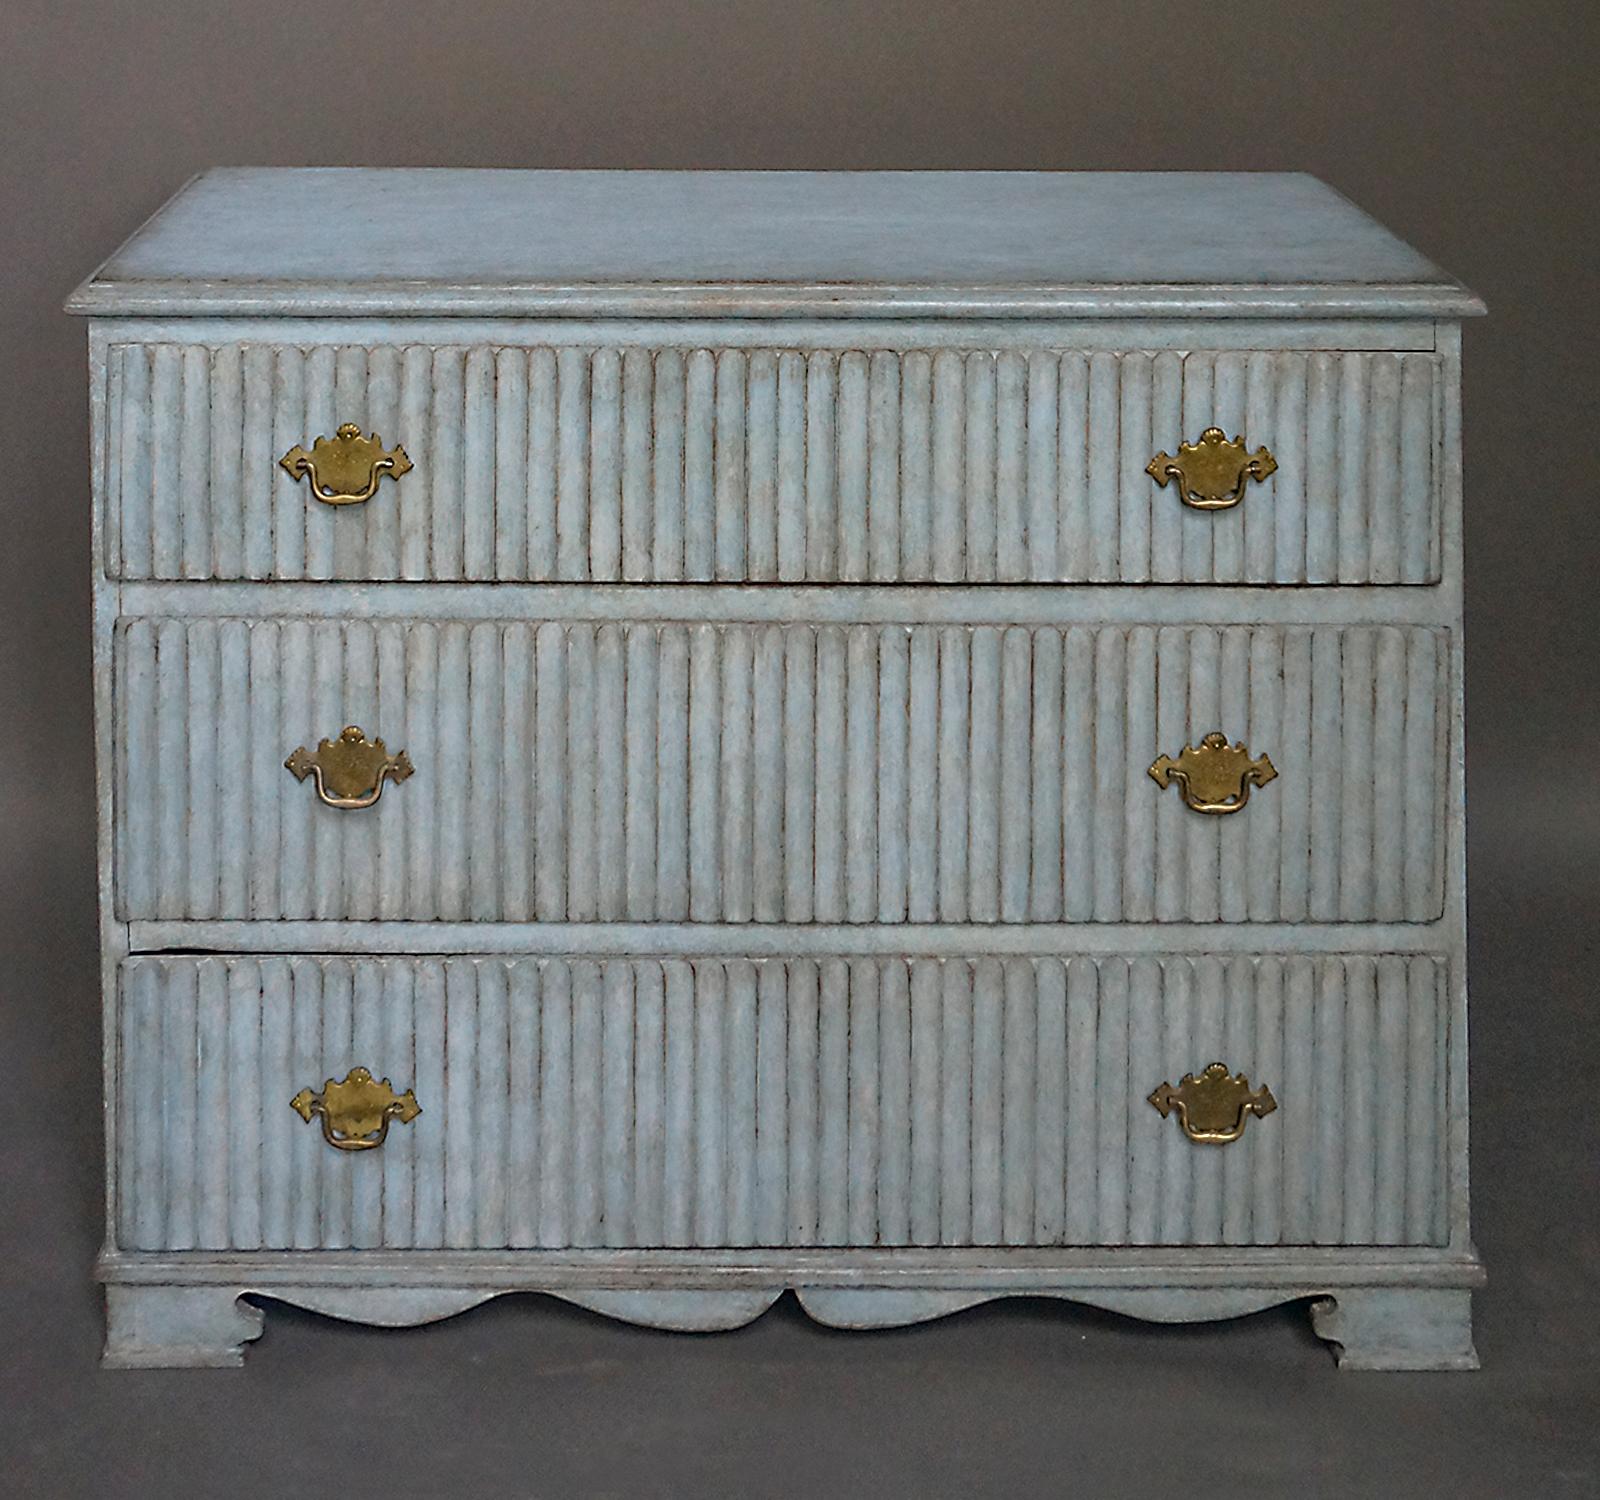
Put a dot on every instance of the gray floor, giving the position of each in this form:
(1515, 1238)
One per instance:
(527, 1397)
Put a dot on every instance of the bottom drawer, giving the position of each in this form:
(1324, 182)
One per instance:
(769, 1102)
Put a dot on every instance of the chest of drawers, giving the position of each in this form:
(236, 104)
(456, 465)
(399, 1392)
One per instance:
(670, 737)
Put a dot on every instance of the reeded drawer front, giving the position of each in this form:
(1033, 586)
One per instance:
(730, 1102)
(738, 773)
(796, 464)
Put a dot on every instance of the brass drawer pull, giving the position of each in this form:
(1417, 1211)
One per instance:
(356, 1113)
(1214, 1108)
(350, 771)
(345, 469)
(1216, 777)
(1212, 473)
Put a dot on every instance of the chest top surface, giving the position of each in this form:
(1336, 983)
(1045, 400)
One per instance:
(432, 241)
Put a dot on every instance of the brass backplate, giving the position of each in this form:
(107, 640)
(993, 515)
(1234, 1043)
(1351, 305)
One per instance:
(356, 1111)
(345, 469)
(1214, 776)
(1212, 474)
(1214, 1107)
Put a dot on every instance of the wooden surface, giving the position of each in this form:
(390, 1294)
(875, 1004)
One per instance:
(727, 243)
(664, 463)
(781, 900)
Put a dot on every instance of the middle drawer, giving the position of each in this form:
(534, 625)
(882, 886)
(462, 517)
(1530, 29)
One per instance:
(654, 771)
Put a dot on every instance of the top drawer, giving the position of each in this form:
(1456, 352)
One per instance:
(584, 463)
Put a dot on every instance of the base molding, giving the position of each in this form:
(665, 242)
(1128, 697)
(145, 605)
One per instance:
(1382, 1310)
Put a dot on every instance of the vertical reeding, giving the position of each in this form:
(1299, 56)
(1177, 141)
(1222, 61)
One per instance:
(863, 1122)
(1104, 466)
(166, 441)
(983, 761)
(452, 773)
(1384, 460)
(219, 546)
(947, 440)
(954, 690)
(1228, 413)
(772, 1104)
(1011, 467)
(736, 776)
(705, 702)
(892, 1174)
(582, 775)
(215, 1112)
(638, 471)
(1111, 1101)
(986, 1103)
(517, 770)
(132, 504)
(245, 1100)
(678, 1155)
(791, 501)
(556, 1104)
(1043, 488)
(1136, 491)
(672, 775)
(1110, 771)
(479, 519)
(833, 1102)
(852, 439)
(739, 1103)
(926, 1100)
(1016, 781)
(980, 453)
(619, 1129)
(1358, 776)
(1079, 855)
(1354, 498)
(446, 471)
(610, 759)
(638, 814)
(514, 480)
(572, 464)
(605, 466)
(699, 458)
(1018, 1099)
(489, 832)
(955, 1094)
(585, 1196)
(1388, 776)
(544, 462)
(804, 1083)
(916, 467)
(1052, 1085)
(710, 1102)
(884, 537)
(1140, 807)
(761, 465)
(650, 1086)
(861, 774)
(1291, 484)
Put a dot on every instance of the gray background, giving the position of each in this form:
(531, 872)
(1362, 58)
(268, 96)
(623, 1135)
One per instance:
(1468, 126)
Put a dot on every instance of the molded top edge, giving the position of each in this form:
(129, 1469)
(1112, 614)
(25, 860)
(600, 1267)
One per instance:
(431, 241)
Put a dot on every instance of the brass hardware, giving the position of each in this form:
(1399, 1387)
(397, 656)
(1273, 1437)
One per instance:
(356, 1113)
(1216, 777)
(345, 469)
(1213, 1108)
(350, 770)
(1212, 473)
